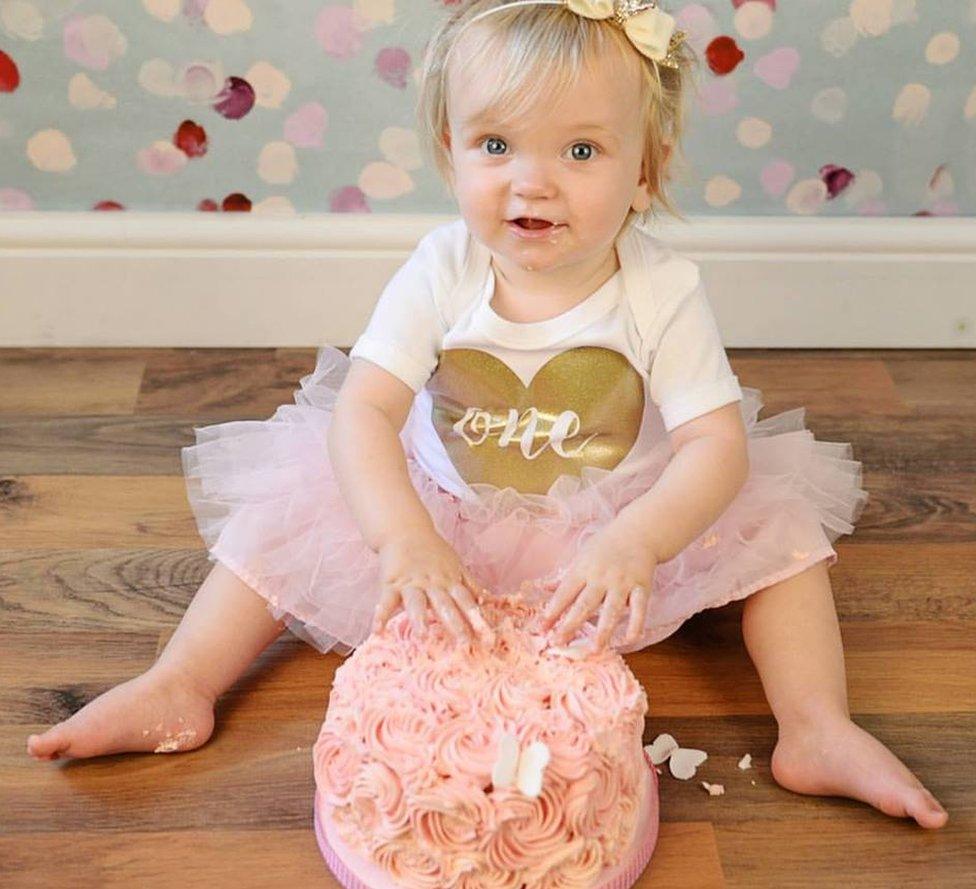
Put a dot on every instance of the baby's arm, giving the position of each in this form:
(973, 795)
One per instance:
(371, 468)
(709, 467)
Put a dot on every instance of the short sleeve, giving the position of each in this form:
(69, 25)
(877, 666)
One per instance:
(405, 331)
(690, 373)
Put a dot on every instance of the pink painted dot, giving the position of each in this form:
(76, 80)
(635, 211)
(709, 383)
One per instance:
(776, 177)
(348, 199)
(776, 68)
(15, 199)
(305, 127)
(339, 31)
(393, 66)
(717, 97)
(873, 207)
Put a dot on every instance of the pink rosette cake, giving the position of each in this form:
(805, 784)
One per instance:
(506, 764)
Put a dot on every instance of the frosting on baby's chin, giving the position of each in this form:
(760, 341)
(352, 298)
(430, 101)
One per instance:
(414, 731)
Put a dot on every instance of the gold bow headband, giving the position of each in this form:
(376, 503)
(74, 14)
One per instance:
(650, 29)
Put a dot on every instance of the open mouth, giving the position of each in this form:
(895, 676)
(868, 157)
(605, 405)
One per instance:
(532, 224)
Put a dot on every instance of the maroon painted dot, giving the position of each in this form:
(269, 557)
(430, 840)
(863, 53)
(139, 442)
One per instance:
(108, 205)
(9, 74)
(235, 99)
(236, 203)
(191, 139)
(723, 55)
(835, 178)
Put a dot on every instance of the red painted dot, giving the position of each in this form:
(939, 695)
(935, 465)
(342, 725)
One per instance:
(236, 203)
(9, 75)
(723, 55)
(208, 205)
(108, 205)
(191, 139)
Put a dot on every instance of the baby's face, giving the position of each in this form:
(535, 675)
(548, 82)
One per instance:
(575, 162)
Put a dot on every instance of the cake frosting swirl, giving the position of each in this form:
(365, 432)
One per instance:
(413, 737)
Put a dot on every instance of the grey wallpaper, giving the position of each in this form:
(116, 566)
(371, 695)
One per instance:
(829, 107)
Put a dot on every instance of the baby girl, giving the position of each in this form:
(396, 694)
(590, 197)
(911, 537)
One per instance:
(541, 396)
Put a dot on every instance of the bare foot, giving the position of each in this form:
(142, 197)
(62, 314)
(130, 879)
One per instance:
(158, 711)
(839, 758)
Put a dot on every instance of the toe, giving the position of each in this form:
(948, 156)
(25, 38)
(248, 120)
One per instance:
(48, 745)
(927, 811)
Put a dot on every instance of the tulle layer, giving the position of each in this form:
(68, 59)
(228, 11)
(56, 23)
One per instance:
(268, 506)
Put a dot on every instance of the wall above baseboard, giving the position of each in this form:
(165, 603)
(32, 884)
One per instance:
(199, 279)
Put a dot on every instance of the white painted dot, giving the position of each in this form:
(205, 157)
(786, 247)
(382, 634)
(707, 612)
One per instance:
(277, 163)
(753, 132)
(276, 205)
(942, 48)
(829, 105)
(228, 16)
(22, 19)
(157, 76)
(271, 85)
(969, 111)
(720, 191)
(867, 186)
(161, 159)
(912, 104)
(384, 181)
(753, 20)
(807, 196)
(872, 18)
(164, 10)
(839, 36)
(85, 95)
(401, 146)
(377, 12)
(50, 151)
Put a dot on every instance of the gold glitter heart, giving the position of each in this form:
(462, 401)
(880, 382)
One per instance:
(582, 408)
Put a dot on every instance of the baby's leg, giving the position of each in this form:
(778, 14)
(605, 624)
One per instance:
(170, 706)
(793, 637)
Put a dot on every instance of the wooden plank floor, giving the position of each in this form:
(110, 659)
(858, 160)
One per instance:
(99, 557)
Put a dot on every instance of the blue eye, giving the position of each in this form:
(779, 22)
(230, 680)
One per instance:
(491, 139)
(588, 148)
(586, 145)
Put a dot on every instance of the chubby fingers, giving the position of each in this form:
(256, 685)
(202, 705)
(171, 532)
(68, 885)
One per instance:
(582, 608)
(385, 608)
(640, 596)
(469, 607)
(566, 591)
(449, 614)
(613, 607)
(416, 605)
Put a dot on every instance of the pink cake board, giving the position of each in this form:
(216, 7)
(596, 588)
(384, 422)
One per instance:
(354, 872)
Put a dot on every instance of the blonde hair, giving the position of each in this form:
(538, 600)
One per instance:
(543, 47)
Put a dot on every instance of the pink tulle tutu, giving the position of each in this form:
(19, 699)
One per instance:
(268, 506)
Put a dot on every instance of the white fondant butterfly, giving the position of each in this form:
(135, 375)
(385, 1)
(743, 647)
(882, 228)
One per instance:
(683, 762)
(522, 768)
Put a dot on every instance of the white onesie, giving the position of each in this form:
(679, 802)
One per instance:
(519, 404)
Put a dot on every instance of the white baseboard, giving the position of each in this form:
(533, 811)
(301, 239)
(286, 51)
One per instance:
(197, 279)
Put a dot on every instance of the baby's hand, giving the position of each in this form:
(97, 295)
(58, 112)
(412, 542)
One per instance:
(422, 569)
(611, 568)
